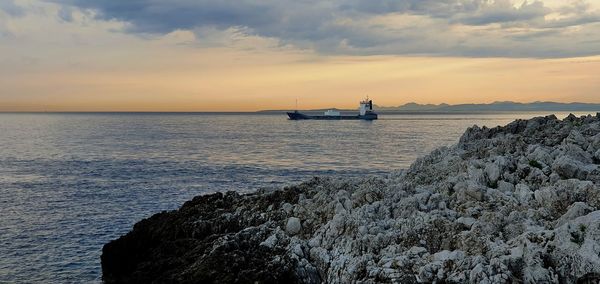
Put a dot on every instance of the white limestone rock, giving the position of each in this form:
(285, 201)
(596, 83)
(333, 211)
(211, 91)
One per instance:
(467, 221)
(576, 209)
(492, 170)
(293, 226)
(567, 167)
(270, 241)
(523, 193)
(288, 208)
(506, 187)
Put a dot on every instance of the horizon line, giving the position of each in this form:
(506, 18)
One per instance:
(44, 109)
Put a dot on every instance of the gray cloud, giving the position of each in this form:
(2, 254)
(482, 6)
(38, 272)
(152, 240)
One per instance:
(9, 7)
(578, 20)
(65, 14)
(503, 12)
(434, 27)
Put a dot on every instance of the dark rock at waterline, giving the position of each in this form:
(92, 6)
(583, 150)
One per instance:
(210, 239)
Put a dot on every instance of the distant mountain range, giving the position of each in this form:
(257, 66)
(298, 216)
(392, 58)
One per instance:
(492, 107)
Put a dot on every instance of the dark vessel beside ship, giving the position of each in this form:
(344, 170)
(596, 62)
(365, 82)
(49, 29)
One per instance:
(365, 113)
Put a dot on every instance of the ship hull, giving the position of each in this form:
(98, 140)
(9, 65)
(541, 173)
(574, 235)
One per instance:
(301, 116)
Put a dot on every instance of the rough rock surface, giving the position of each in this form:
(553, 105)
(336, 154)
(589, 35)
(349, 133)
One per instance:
(512, 204)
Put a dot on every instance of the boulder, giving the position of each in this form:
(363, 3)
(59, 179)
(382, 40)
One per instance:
(492, 170)
(576, 210)
(566, 167)
(293, 226)
(523, 193)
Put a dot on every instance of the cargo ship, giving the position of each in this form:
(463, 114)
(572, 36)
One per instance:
(365, 112)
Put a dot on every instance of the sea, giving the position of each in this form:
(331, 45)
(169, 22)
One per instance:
(71, 182)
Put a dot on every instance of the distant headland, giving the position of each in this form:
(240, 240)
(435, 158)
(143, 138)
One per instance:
(504, 106)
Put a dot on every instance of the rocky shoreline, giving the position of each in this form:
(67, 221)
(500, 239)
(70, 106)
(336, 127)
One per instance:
(511, 204)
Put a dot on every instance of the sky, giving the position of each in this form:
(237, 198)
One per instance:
(247, 55)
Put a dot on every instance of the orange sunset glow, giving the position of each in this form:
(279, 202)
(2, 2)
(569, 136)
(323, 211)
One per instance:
(88, 60)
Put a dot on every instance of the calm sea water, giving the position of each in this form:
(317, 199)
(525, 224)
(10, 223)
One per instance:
(71, 182)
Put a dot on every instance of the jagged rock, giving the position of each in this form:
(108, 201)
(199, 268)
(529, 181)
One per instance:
(506, 186)
(523, 193)
(467, 221)
(576, 209)
(492, 171)
(270, 242)
(288, 208)
(293, 226)
(540, 155)
(567, 167)
(512, 204)
(576, 248)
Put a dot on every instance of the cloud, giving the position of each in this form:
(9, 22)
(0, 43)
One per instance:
(504, 12)
(433, 27)
(10, 8)
(65, 14)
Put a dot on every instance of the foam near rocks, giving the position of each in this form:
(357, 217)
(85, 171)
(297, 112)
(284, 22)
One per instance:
(518, 203)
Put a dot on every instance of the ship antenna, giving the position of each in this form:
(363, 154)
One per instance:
(296, 103)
